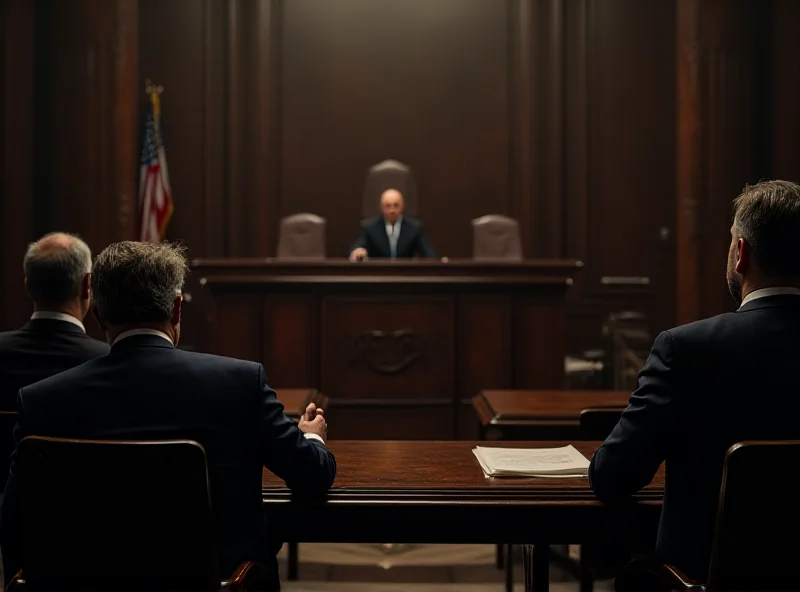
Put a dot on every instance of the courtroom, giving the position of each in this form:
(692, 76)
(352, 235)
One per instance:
(399, 295)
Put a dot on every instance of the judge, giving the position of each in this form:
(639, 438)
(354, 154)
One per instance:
(391, 235)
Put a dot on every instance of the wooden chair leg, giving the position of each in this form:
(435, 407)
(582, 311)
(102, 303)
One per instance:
(509, 568)
(293, 561)
(499, 557)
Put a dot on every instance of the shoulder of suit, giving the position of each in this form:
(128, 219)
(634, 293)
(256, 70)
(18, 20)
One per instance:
(703, 330)
(219, 361)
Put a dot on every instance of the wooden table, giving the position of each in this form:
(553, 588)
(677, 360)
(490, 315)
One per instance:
(539, 414)
(295, 401)
(435, 492)
(398, 346)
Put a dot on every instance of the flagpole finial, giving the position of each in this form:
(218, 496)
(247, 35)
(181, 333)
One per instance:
(152, 89)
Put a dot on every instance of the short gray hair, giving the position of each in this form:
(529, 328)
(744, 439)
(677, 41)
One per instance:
(55, 267)
(134, 282)
(767, 217)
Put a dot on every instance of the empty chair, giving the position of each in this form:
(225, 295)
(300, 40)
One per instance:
(496, 237)
(389, 174)
(123, 515)
(302, 236)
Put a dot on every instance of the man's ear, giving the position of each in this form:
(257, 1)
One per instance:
(96, 315)
(177, 304)
(744, 256)
(27, 289)
(86, 286)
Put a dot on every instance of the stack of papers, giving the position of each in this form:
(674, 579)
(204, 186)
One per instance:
(532, 462)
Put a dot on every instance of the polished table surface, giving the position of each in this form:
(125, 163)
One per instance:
(435, 492)
(539, 414)
(295, 401)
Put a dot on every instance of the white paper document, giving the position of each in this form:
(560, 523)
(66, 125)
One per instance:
(532, 462)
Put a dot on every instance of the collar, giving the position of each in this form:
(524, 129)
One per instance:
(765, 292)
(58, 316)
(132, 332)
(389, 224)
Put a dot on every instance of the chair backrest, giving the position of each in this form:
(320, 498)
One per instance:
(8, 419)
(756, 546)
(496, 237)
(117, 515)
(597, 422)
(389, 174)
(302, 236)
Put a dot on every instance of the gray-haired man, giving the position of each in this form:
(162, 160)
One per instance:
(57, 273)
(148, 389)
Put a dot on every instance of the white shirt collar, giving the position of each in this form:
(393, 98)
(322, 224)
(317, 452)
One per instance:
(764, 292)
(58, 316)
(397, 224)
(132, 332)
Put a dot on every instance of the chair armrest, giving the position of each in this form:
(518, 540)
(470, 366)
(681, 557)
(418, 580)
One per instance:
(17, 583)
(677, 580)
(247, 574)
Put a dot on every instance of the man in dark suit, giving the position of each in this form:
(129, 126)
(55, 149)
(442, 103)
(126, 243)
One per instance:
(715, 382)
(57, 271)
(146, 388)
(391, 236)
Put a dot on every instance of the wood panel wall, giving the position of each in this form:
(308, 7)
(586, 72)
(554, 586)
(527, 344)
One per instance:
(615, 131)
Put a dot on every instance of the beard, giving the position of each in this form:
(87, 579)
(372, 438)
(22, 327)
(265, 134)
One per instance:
(734, 280)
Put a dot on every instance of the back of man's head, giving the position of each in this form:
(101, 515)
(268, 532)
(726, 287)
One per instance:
(55, 269)
(136, 283)
(767, 217)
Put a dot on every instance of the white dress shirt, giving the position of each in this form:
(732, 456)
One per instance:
(58, 316)
(157, 333)
(764, 292)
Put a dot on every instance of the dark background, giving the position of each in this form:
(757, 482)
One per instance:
(615, 131)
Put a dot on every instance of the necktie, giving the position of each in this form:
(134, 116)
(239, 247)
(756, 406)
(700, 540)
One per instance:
(393, 242)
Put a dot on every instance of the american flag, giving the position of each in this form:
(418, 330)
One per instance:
(155, 194)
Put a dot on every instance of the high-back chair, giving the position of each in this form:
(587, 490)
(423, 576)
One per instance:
(302, 236)
(496, 237)
(389, 174)
(117, 515)
(755, 547)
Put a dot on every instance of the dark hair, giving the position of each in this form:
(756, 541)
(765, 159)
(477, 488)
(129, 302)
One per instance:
(55, 266)
(134, 283)
(767, 217)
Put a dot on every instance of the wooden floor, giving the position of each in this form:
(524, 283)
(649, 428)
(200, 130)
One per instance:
(409, 568)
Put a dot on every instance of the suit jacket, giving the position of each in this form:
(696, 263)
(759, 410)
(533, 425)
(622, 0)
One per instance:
(147, 389)
(411, 242)
(705, 386)
(38, 350)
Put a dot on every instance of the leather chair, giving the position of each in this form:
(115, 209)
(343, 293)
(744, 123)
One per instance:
(302, 236)
(389, 174)
(496, 237)
(118, 515)
(755, 546)
(598, 422)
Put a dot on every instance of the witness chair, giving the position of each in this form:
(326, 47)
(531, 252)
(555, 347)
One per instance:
(389, 174)
(597, 422)
(302, 236)
(122, 515)
(496, 237)
(755, 547)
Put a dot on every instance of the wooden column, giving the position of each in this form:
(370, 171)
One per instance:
(16, 155)
(722, 115)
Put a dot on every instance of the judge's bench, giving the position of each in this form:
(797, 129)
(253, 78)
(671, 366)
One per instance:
(399, 347)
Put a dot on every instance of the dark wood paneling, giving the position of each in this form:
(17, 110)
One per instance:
(620, 164)
(290, 337)
(16, 155)
(86, 133)
(364, 81)
(387, 348)
(785, 89)
(483, 354)
(721, 140)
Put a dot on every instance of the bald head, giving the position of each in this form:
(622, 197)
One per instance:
(57, 268)
(392, 205)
